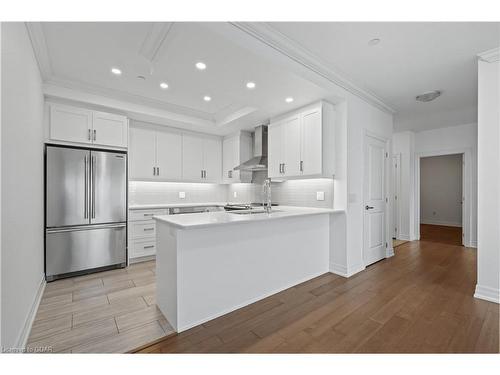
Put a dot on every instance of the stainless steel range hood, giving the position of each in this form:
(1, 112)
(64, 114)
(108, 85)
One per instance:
(259, 160)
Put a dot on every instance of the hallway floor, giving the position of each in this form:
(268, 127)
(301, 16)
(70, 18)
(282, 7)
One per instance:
(441, 234)
(419, 301)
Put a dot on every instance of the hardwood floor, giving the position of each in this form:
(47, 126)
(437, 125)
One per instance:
(419, 301)
(106, 312)
(441, 234)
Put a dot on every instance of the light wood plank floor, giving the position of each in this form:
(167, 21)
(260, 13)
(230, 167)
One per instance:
(441, 234)
(419, 301)
(106, 312)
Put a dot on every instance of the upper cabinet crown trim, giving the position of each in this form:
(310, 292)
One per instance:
(490, 56)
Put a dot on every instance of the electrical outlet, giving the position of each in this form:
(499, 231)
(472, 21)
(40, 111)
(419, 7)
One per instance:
(320, 195)
(182, 194)
(235, 194)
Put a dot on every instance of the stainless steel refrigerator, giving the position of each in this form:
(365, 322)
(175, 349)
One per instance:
(85, 211)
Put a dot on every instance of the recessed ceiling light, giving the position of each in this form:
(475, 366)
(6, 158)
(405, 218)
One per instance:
(250, 85)
(164, 85)
(373, 42)
(428, 96)
(142, 78)
(207, 98)
(289, 100)
(116, 71)
(201, 65)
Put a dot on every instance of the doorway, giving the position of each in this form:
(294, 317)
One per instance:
(441, 198)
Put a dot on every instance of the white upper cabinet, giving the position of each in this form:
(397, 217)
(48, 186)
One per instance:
(142, 153)
(70, 124)
(169, 155)
(155, 154)
(78, 125)
(302, 143)
(236, 149)
(212, 159)
(192, 157)
(109, 129)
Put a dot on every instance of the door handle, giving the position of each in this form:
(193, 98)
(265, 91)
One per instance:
(93, 186)
(86, 189)
(369, 207)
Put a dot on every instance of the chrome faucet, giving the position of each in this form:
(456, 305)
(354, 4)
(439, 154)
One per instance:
(266, 195)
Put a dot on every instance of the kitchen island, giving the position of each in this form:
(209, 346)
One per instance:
(209, 264)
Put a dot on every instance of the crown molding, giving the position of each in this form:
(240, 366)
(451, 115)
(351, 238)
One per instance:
(156, 40)
(490, 56)
(37, 37)
(281, 43)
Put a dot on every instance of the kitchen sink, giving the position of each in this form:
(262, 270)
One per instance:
(251, 212)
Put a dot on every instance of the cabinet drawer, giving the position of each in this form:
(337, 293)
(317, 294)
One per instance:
(142, 229)
(135, 215)
(142, 249)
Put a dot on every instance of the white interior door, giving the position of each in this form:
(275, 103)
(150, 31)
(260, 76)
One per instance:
(374, 242)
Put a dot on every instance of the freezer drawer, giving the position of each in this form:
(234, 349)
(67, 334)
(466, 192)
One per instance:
(82, 248)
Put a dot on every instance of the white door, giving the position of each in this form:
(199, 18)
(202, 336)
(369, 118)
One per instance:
(70, 124)
(311, 146)
(374, 243)
(212, 159)
(192, 157)
(109, 129)
(291, 134)
(274, 146)
(169, 155)
(142, 153)
(395, 196)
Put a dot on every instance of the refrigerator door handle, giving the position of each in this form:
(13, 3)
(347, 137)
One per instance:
(85, 227)
(85, 200)
(92, 178)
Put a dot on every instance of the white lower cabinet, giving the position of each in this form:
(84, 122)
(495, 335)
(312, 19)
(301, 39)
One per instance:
(142, 233)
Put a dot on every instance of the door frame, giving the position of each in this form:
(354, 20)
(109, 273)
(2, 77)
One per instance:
(396, 173)
(389, 250)
(466, 191)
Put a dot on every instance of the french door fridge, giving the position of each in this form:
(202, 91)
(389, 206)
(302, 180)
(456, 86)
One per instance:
(85, 210)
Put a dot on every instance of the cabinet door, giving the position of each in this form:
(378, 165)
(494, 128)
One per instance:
(192, 157)
(109, 129)
(274, 142)
(291, 146)
(212, 159)
(229, 156)
(311, 150)
(142, 153)
(70, 124)
(169, 155)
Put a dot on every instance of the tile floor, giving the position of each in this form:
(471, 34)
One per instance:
(106, 312)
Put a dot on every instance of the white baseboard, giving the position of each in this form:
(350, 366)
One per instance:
(344, 271)
(443, 223)
(473, 244)
(487, 293)
(403, 237)
(25, 333)
(141, 259)
(389, 252)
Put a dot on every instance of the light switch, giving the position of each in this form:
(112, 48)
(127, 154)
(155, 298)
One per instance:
(235, 194)
(182, 194)
(320, 195)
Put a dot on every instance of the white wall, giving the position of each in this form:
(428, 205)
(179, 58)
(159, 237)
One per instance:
(450, 140)
(441, 190)
(488, 246)
(22, 182)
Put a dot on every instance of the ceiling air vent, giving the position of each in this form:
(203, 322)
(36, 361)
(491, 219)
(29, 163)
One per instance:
(428, 96)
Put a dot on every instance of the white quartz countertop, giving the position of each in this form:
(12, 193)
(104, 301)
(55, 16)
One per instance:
(207, 219)
(172, 205)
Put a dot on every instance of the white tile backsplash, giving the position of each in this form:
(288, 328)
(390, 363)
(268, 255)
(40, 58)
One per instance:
(291, 193)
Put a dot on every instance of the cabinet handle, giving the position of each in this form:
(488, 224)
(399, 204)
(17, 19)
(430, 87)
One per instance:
(148, 214)
(301, 166)
(95, 135)
(149, 247)
(154, 171)
(157, 171)
(280, 168)
(202, 173)
(89, 137)
(147, 229)
(283, 168)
